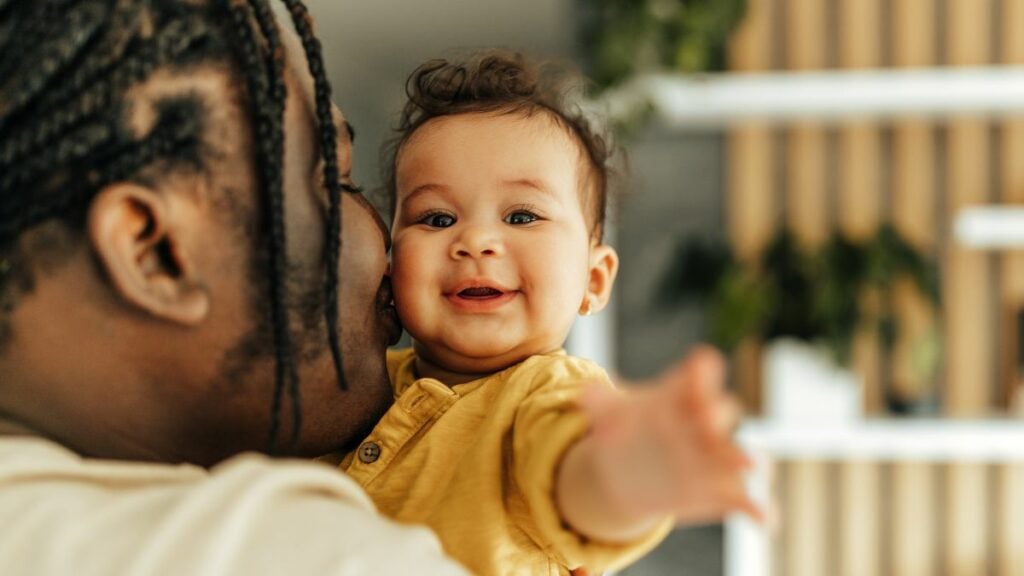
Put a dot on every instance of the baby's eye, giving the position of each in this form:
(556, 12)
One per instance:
(438, 220)
(521, 217)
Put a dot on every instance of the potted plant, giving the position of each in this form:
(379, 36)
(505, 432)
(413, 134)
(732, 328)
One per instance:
(626, 37)
(797, 299)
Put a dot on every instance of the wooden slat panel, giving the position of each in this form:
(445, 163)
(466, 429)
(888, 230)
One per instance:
(859, 542)
(752, 201)
(966, 544)
(781, 471)
(807, 202)
(969, 371)
(860, 200)
(913, 32)
(747, 373)
(969, 40)
(806, 30)
(1012, 178)
(750, 46)
(807, 538)
(1012, 262)
(913, 520)
(1010, 523)
(860, 33)
(860, 191)
(914, 197)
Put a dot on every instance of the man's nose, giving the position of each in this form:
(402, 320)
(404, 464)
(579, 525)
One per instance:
(475, 241)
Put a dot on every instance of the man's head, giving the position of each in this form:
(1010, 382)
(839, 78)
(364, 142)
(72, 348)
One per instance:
(170, 233)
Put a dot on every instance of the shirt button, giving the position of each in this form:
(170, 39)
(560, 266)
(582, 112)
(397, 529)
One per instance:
(369, 452)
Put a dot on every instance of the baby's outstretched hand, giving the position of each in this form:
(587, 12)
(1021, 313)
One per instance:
(664, 448)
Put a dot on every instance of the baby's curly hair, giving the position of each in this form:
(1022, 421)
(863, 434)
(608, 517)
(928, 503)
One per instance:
(504, 82)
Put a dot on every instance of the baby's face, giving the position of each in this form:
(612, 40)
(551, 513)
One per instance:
(491, 259)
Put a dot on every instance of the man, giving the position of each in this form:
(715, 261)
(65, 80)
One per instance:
(169, 223)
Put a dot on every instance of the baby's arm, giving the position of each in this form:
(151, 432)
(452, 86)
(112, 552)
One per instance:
(661, 450)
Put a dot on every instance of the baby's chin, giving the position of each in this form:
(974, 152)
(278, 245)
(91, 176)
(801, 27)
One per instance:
(479, 357)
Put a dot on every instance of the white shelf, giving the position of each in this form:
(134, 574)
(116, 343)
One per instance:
(990, 227)
(718, 100)
(945, 440)
(748, 545)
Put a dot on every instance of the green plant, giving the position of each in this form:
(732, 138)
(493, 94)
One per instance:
(623, 37)
(813, 295)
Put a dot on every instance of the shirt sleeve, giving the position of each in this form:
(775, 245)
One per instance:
(547, 423)
(250, 516)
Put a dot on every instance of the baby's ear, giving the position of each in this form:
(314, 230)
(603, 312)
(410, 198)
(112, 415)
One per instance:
(604, 265)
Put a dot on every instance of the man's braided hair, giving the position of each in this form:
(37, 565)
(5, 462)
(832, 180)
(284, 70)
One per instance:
(66, 67)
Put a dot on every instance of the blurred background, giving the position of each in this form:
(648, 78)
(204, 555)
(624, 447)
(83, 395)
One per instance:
(829, 190)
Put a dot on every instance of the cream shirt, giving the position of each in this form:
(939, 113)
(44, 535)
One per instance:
(63, 514)
(477, 462)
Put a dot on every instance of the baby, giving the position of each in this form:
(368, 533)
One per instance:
(522, 459)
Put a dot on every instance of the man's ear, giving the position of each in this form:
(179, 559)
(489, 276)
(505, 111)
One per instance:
(138, 235)
(604, 265)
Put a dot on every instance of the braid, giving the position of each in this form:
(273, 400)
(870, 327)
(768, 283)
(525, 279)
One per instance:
(72, 147)
(37, 73)
(268, 28)
(332, 177)
(29, 34)
(175, 134)
(175, 40)
(83, 135)
(267, 110)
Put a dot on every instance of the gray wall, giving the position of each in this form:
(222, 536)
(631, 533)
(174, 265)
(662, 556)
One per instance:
(372, 46)
(674, 194)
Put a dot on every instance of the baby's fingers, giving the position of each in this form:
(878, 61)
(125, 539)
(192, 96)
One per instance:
(718, 418)
(704, 376)
(736, 499)
(734, 457)
(744, 505)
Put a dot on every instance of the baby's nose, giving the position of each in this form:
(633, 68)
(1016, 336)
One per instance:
(477, 241)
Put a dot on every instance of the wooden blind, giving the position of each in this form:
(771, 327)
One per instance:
(905, 518)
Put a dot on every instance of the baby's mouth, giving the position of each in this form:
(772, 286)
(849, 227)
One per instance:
(480, 296)
(480, 293)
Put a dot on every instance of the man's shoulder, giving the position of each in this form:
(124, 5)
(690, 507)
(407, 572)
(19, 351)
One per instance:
(48, 470)
(248, 515)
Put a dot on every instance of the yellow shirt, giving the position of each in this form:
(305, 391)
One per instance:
(476, 463)
(249, 516)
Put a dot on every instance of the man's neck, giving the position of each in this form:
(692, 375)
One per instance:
(9, 427)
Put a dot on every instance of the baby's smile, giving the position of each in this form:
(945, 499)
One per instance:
(479, 296)
(481, 292)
